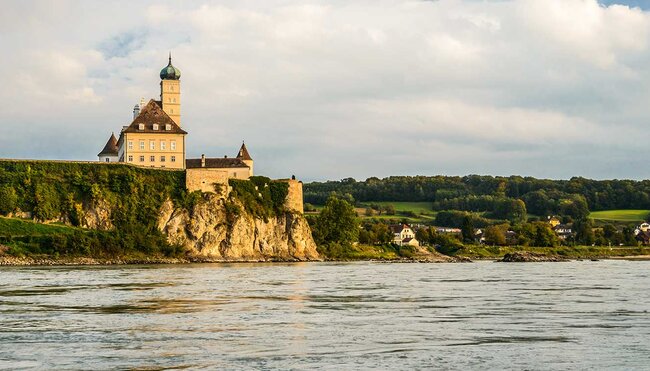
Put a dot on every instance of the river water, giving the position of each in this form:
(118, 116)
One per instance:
(576, 315)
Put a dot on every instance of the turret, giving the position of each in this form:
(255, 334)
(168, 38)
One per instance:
(245, 157)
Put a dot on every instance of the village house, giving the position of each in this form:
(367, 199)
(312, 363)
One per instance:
(642, 233)
(563, 231)
(554, 221)
(403, 235)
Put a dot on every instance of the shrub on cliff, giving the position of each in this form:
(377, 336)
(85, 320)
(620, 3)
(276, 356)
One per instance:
(260, 196)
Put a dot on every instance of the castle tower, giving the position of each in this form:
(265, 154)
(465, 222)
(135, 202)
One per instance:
(245, 157)
(170, 91)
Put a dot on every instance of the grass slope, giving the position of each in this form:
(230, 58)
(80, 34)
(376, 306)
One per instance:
(620, 215)
(23, 228)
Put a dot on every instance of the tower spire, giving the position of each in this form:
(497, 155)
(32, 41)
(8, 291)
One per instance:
(170, 57)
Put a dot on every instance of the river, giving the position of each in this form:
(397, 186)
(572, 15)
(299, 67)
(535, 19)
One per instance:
(575, 315)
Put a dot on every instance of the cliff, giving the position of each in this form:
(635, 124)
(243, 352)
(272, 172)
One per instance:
(119, 211)
(212, 231)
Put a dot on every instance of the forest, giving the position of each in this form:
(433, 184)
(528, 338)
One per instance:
(574, 198)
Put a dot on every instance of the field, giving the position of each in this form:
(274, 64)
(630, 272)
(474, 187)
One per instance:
(420, 211)
(416, 207)
(625, 216)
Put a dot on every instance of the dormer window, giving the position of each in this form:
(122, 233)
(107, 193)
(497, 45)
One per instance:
(140, 126)
(155, 126)
(168, 127)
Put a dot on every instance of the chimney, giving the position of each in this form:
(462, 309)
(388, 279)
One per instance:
(202, 160)
(225, 156)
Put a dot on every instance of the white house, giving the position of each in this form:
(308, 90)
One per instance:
(403, 235)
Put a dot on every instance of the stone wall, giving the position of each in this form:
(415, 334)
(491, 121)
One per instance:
(203, 179)
(294, 201)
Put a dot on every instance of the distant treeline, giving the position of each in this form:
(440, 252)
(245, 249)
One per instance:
(574, 197)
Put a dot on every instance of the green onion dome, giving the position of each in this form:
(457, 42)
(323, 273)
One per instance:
(170, 72)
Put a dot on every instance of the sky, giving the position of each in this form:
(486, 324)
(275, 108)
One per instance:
(331, 89)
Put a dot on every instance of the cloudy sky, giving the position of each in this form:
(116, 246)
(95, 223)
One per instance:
(337, 88)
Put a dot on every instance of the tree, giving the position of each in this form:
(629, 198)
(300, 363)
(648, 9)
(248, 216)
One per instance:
(382, 233)
(8, 199)
(584, 232)
(337, 223)
(467, 229)
(389, 209)
(423, 235)
(544, 235)
(495, 235)
(309, 207)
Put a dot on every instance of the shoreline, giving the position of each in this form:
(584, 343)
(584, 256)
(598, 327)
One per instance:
(6, 261)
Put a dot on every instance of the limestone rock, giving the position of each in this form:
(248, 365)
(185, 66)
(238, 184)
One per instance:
(209, 232)
(97, 215)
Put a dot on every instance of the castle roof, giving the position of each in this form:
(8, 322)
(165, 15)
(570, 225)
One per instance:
(243, 153)
(150, 115)
(215, 163)
(110, 149)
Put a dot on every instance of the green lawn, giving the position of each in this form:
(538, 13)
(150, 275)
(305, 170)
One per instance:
(621, 215)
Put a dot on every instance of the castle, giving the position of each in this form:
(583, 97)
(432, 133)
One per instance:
(155, 138)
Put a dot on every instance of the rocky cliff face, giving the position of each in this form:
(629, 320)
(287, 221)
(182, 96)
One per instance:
(210, 232)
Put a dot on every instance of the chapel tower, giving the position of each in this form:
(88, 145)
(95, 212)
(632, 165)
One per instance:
(170, 91)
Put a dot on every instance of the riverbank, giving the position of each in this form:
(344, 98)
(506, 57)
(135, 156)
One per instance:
(481, 252)
(357, 253)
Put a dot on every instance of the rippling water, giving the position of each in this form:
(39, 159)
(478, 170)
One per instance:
(578, 315)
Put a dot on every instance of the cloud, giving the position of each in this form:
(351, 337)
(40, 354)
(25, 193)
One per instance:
(331, 89)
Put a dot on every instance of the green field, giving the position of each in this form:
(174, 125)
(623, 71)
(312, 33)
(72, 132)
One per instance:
(627, 216)
(416, 207)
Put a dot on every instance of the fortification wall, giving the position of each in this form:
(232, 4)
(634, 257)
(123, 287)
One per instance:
(202, 179)
(294, 201)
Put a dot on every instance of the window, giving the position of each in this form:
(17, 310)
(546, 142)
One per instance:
(141, 158)
(168, 127)
(142, 144)
(140, 126)
(130, 158)
(173, 145)
(152, 144)
(163, 145)
(171, 88)
(173, 159)
(162, 158)
(172, 110)
(130, 144)
(108, 159)
(152, 158)
(155, 126)
(174, 100)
